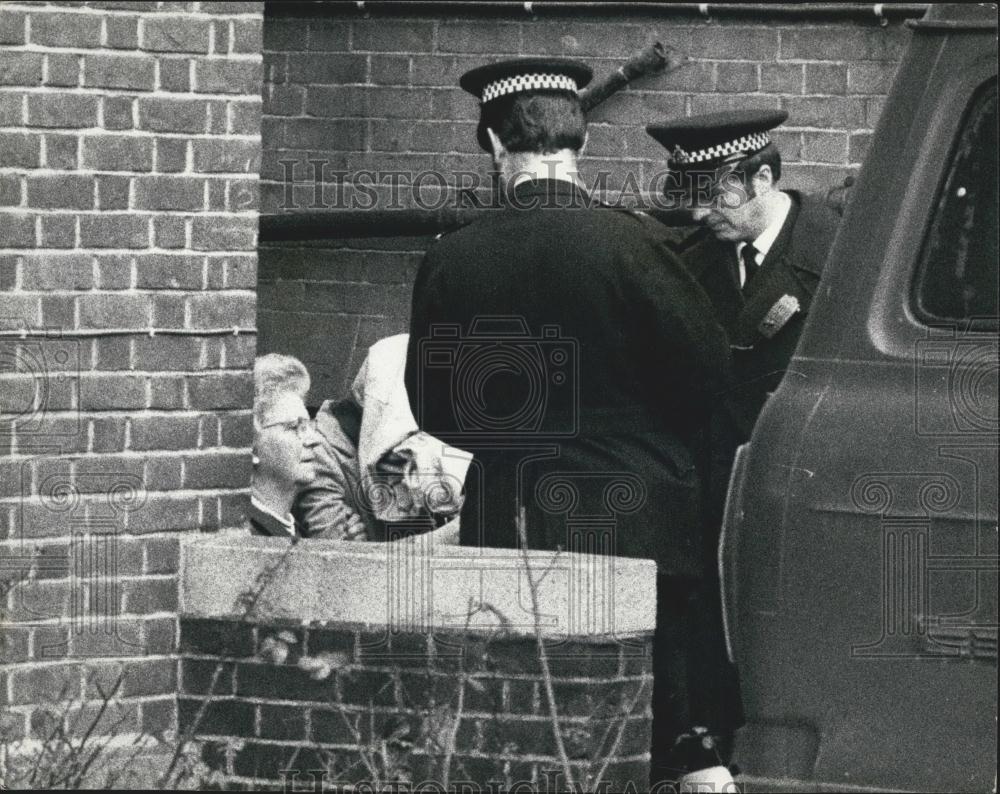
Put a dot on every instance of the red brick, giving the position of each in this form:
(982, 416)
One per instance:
(229, 156)
(158, 717)
(109, 434)
(66, 30)
(165, 513)
(281, 100)
(248, 36)
(114, 231)
(20, 150)
(61, 109)
(829, 112)
(41, 599)
(245, 118)
(731, 42)
(166, 392)
(169, 231)
(118, 71)
(168, 271)
(12, 27)
(168, 310)
(173, 115)
(825, 147)
(117, 113)
(175, 74)
(117, 153)
(220, 38)
(168, 353)
(113, 353)
(113, 192)
(63, 191)
(737, 76)
(58, 231)
(45, 684)
(123, 31)
(20, 68)
(115, 272)
(62, 152)
(57, 271)
(327, 69)
(230, 8)
(112, 392)
(223, 233)
(164, 432)
(169, 193)
(205, 472)
(174, 34)
(228, 77)
(826, 78)
(823, 44)
(383, 35)
(496, 38)
(211, 310)
(148, 597)
(17, 230)
(10, 190)
(62, 69)
(160, 635)
(215, 392)
(321, 101)
(116, 637)
(136, 678)
(162, 555)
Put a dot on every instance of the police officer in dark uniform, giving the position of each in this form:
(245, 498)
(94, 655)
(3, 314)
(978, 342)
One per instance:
(565, 347)
(760, 251)
(759, 256)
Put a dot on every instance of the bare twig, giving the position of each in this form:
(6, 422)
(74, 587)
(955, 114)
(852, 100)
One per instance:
(543, 658)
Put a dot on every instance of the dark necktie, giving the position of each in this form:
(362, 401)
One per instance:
(748, 255)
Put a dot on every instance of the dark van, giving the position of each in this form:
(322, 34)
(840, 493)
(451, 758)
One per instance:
(859, 549)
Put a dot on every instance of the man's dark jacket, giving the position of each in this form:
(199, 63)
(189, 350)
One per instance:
(792, 267)
(576, 358)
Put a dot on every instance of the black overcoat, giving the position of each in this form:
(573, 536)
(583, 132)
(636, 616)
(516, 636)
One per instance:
(792, 267)
(570, 351)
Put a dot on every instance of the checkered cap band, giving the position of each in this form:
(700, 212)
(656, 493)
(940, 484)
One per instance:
(527, 82)
(748, 143)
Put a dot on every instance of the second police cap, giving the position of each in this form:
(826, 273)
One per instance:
(519, 75)
(713, 139)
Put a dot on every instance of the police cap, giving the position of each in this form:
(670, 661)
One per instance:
(714, 139)
(522, 75)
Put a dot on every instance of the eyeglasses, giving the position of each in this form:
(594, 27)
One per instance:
(301, 426)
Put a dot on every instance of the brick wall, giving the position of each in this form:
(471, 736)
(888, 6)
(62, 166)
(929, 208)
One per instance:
(375, 93)
(130, 139)
(266, 718)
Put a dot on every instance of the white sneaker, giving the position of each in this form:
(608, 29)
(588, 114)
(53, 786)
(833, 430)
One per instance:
(711, 780)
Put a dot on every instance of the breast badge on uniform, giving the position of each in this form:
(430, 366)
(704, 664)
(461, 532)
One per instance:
(778, 315)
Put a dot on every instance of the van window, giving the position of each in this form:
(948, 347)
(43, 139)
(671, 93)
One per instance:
(958, 272)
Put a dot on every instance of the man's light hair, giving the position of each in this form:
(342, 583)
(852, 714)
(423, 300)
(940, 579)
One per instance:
(276, 374)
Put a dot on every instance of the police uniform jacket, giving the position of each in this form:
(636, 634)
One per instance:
(570, 351)
(792, 267)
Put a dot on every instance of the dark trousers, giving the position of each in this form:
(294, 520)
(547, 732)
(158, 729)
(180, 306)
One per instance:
(693, 682)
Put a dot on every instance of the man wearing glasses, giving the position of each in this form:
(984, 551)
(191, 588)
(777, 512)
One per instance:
(760, 251)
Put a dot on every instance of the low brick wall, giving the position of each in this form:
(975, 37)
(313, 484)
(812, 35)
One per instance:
(427, 694)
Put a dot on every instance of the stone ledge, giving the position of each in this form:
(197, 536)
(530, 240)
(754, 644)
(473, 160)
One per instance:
(418, 587)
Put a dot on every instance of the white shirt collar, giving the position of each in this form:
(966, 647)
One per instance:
(286, 521)
(767, 237)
